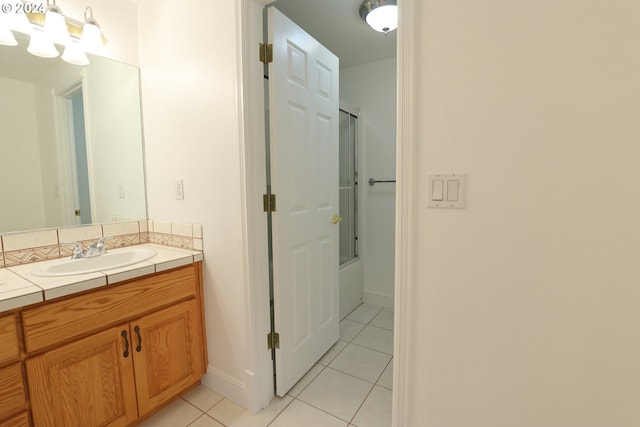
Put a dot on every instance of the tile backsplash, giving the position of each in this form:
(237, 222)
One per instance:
(179, 235)
(33, 246)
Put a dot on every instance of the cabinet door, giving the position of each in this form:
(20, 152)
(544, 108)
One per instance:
(86, 383)
(168, 353)
(21, 420)
(12, 393)
(9, 350)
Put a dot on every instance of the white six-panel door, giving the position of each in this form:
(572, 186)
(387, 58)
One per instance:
(303, 108)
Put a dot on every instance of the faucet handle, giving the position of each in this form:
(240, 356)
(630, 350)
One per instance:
(77, 251)
(99, 245)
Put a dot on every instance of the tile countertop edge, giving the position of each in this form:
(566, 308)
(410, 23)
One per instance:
(12, 303)
(167, 257)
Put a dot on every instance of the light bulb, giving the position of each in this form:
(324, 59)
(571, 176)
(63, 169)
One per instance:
(92, 39)
(6, 35)
(73, 54)
(55, 26)
(41, 45)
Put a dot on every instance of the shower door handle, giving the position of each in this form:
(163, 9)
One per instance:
(336, 219)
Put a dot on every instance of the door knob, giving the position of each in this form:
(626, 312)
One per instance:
(336, 219)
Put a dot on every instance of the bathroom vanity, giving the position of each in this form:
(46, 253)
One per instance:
(108, 356)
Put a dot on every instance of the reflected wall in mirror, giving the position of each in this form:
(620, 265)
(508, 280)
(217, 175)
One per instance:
(70, 141)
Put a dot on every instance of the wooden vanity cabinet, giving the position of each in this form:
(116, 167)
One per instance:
(13, 398)
(89, 382)
(167, 354)
(9, 350)
(114, 376)
(21, 420)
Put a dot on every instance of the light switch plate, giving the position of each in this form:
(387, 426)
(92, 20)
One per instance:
(452, 182)
(179, 189)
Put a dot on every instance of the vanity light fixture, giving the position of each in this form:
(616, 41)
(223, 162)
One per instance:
(76, 37)
(41, 45)
(55, 25)
(74, 54)
(381, 15)
(54, 31)
(91, 39)
(9, 22)
(6, 35)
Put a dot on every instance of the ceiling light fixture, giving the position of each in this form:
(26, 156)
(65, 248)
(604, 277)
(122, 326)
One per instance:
(381, 15)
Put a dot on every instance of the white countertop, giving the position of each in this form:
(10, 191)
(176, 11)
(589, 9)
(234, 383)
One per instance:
(18, 287)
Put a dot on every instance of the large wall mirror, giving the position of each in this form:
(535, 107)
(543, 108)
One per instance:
(71, 148)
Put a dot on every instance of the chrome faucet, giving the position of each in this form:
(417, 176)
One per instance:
(76, 252)
(97, 248)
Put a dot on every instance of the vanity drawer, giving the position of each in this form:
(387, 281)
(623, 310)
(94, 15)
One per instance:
(21, 420)
(9, 350)
(54, 323)
(12, 395)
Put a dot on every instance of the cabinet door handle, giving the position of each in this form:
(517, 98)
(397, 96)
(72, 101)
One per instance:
(126, 343)
(139, 347)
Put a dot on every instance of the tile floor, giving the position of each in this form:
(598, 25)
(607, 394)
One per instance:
(349, 386)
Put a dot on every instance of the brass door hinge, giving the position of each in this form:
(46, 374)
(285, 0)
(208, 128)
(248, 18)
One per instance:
(269, 202)
(273, 340)
(266, 53)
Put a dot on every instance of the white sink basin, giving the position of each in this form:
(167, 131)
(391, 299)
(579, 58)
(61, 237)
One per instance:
(116, 259)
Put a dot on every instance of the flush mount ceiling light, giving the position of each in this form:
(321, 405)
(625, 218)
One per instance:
(381, 15)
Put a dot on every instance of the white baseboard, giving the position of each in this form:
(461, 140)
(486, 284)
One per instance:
(226, 385)
(377, 298)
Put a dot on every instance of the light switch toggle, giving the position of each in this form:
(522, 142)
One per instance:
(437, 190)
(179, 189)
(447, 190)
(453, 187)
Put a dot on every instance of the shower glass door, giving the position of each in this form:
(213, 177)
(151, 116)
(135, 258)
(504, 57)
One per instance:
(348, 188)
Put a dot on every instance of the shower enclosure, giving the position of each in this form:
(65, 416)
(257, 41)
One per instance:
(348, 187)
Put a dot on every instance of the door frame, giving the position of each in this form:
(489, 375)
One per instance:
(65, 148)
(259, 386)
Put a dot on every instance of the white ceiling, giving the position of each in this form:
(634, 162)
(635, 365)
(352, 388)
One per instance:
(338, 26)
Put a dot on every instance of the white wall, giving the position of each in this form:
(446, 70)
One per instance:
(20, 147)
(191, 125)
(372, 88)
(525, 304)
